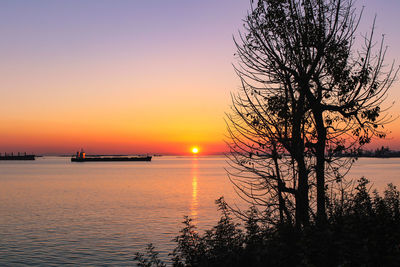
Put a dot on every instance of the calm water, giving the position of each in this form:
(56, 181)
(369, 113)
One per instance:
(55, 212)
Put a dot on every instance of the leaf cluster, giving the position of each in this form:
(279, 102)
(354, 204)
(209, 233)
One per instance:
(363, 229)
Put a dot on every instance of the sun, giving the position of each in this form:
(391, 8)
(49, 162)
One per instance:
(195, 150)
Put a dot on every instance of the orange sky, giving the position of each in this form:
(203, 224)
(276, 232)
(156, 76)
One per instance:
(128, 77)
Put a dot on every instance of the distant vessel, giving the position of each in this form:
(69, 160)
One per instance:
(17, 157)
(81, 157)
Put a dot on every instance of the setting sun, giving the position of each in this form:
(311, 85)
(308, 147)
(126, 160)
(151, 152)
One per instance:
(195, 150)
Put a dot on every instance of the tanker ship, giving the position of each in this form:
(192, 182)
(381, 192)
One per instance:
(16, 157)
(81, 157)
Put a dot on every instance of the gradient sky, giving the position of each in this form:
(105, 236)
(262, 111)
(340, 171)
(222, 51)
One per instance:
(131, 76)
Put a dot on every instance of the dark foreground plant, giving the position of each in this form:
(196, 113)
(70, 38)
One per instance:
(363, 229)
(150, 258)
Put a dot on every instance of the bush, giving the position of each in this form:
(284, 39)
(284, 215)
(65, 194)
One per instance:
(363, 229)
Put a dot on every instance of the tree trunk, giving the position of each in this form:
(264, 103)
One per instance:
(302, 217)
(302, 205)
(320, 168)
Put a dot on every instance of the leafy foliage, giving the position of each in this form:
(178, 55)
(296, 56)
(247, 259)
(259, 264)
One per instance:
(310, 90)
(149, 259)
(363, 229)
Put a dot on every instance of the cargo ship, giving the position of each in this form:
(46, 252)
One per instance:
(81, 157)
(16, 157)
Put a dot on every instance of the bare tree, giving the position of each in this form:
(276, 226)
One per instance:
(306, 97)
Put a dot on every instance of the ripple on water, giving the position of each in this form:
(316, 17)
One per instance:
(54, 212)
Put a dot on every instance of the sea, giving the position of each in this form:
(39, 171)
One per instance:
(56, 212)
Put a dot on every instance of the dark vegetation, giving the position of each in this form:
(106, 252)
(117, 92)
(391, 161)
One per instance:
(311, 92)
(312, 95)
(363, 229)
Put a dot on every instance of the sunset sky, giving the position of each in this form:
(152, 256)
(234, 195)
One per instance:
(132, 76)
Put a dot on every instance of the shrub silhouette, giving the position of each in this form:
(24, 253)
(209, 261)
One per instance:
(363, 229)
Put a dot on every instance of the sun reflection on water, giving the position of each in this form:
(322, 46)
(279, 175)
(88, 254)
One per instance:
(195, 203)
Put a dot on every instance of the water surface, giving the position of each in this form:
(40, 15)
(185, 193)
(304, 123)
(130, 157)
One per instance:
(53, 211)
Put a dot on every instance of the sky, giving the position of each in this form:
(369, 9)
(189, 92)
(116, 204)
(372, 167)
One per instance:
(119, 76)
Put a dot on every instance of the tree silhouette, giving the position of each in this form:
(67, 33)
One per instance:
(309, 92)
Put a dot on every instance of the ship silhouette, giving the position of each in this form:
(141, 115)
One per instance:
(81, 157)
(16, 157)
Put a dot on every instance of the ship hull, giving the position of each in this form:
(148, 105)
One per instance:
(112, 159)
(22, 157)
